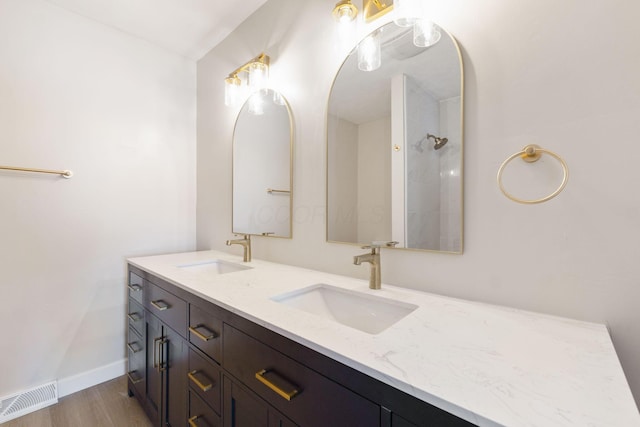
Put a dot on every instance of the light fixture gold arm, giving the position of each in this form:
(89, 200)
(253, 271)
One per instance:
(260, 59)
(373, 9)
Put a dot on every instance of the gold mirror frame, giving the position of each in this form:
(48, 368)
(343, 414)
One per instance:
(403, 147)
(249, 185)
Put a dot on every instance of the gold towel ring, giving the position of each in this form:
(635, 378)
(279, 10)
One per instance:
(531, 153)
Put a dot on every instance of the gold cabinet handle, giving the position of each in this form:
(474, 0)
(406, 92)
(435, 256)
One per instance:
(196, 381)
(158, 344)
(135, 288)
(161, 364)
(133, 350)
(155, 354)
(134, 317)
(210, 334)
(288, 395)
(133, 380)
(192, 421)
(160, 305)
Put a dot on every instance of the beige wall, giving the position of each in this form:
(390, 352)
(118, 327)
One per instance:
(120, 114)
(560, 74)
(342, 178)
(374, 181)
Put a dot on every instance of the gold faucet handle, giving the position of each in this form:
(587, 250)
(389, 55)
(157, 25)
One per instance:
(375, 249)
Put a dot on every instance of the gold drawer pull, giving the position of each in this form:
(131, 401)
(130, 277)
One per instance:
(133, 350)
(134, 317)
(210, 334)
(135, 288)
(192, 421)
(133, 380)
(262, 377)
(196, 381)
(160, 305)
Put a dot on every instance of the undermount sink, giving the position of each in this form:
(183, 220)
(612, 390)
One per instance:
(367, 313)
(213, 267)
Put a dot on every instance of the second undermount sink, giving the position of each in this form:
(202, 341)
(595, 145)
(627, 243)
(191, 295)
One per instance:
(213, 267)
(367, 313)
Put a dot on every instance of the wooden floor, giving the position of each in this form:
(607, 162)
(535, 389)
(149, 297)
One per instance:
(104, 405)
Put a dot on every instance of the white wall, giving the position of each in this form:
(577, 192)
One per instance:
(119, 113)
(560, 74)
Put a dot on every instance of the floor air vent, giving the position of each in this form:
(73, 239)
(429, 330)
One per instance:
(28, 401)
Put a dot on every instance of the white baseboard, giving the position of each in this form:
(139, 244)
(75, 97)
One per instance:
(70, 385)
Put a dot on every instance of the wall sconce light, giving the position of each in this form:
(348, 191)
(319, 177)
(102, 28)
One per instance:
(408, 13)
(344, 12)
(256, 77)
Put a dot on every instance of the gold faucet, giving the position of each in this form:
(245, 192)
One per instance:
(373, 258)
(245, 242)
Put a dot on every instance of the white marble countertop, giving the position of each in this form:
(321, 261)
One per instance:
(490, 365)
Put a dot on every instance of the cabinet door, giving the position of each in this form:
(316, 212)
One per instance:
(153, 403)
(242, 408)
(174, 363)
(276, 419)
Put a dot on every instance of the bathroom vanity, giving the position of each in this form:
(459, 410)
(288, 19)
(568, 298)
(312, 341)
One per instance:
(214, 341)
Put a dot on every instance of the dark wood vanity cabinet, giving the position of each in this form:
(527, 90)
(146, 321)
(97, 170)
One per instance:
(158, 355)
(204, 366)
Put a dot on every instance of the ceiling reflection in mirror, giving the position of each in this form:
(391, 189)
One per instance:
(395, 145)
(262, 166)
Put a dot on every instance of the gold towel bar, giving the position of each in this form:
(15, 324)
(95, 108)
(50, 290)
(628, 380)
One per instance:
(65, 174)
(531, 153)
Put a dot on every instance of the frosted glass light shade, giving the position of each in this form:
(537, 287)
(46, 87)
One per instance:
(256, 103)
(369, 54)
(407, 12)
(258, 76)
(425, 33)
(232, 91)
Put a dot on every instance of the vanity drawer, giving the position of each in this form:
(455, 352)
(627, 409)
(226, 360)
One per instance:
(204, 379)
(205, 332)
(201, 415)
(136, 287)
(136, 360)
(135, 341)
(169, 308)
(136, 317)
(275, 377)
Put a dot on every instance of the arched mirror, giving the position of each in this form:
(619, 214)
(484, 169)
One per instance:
(262, 166)
(395, 144)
